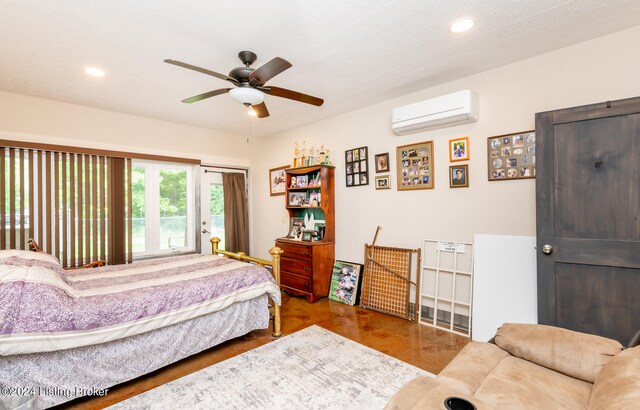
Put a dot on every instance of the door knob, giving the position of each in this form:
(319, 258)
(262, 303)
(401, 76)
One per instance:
(547, 249)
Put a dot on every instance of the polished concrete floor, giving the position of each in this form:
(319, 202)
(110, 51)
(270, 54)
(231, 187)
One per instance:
(422, 346)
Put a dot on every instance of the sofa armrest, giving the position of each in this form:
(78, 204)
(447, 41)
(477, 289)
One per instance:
(470, 367)
(410, 393)
(428, 393)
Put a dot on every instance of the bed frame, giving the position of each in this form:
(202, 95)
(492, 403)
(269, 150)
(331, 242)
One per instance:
(275, 271)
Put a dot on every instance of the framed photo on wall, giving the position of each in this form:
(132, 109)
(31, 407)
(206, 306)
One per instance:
(415, 166)
(356, 167)
(345, 282)
(512, 156)
(459, 176)
(459, 149)
(383, 182)
(382, 162)
(278, 180)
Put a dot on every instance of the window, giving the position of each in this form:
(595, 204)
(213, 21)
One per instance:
(163, 206)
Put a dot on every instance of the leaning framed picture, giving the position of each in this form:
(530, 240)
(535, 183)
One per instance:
(278, 180)
(414, 164)
(511, 156)
(356, 168)
(459, 176)
(345, 282)
(459, 149)
(296, 227)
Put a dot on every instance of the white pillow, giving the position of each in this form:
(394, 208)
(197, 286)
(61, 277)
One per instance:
(29, 255)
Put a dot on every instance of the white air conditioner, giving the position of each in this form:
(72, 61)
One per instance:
(452, 109)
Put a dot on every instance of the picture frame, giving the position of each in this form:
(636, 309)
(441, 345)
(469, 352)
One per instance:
(278, 180)
(382, 162)
(307, 236)
(383, 182)
(459, 149)
(346, 278)
(356, 166)
(297, 199)
(415, 166)
(511, 156)
(296, 227)
(459, 176)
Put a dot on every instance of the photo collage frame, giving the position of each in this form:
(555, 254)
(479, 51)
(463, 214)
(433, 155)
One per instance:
(356, 166)
(415, 166)
(512, 156)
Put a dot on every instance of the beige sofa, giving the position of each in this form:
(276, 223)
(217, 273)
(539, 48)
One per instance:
(533, 367)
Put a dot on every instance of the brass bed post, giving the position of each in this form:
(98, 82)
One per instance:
(275, 268)
(214, 244)
(275, 258)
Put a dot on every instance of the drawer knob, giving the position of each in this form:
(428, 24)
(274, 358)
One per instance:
(306, 285)
(305, 253)
(307, 268)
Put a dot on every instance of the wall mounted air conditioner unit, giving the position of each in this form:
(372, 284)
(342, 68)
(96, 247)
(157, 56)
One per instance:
(452, 109)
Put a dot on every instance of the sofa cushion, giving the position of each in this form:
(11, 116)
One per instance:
(469, 368)
(618, 384)
(519, 384)
(575, 354)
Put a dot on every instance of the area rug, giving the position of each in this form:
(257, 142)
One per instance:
(310, 369)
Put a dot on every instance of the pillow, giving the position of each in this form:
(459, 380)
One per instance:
(28, 255)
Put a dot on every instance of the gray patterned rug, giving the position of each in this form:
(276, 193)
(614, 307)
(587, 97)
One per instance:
(310, 369)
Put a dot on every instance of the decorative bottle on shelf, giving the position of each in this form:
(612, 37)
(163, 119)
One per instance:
(296, 156)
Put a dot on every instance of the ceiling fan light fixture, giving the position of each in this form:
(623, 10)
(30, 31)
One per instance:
(247, 96)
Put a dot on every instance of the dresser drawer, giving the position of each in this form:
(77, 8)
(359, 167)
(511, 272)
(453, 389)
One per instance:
(296, 266)
(295, 281)
(295, 251)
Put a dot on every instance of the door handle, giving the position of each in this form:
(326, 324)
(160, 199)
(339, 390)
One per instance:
(205, 231)
(547, 249)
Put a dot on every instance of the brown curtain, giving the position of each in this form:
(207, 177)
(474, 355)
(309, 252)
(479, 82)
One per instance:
(236, 214)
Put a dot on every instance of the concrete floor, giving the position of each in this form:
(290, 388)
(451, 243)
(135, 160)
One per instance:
(422, 346)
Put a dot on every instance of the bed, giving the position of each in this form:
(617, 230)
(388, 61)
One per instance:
(67, 334)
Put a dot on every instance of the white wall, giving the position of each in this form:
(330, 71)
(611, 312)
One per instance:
(602, 69)
(27, 118)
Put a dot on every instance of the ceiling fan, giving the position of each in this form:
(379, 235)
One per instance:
(250, 83)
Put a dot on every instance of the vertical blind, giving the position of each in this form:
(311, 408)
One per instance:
(76, 206)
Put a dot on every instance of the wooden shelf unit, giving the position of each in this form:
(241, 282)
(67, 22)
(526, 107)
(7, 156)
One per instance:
(306, 267)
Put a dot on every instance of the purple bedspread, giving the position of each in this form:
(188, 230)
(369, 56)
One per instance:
(50, 308)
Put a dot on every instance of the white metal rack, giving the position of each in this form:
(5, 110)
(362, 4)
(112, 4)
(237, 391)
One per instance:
(446, 284)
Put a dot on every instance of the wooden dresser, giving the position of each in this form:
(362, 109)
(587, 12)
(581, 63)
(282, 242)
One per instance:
(306, 265)
(305, 268)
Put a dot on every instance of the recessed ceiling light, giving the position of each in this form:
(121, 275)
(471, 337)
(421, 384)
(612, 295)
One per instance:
(461, 25)
(95, 72)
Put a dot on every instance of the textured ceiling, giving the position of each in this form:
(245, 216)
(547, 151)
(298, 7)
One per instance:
(351, 53)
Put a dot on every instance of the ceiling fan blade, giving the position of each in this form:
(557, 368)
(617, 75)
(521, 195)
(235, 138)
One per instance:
(268, 71)
(261, 110)
(202, 96)
(201, 70)
(294, 95)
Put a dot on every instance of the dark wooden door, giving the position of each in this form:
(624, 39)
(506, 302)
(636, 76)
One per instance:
(588, 213)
